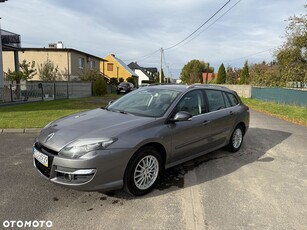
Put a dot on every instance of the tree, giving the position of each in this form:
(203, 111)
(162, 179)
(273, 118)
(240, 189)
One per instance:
(26, 72)
(265, 75)
(232, 75)
(49, 72)
(28, 69)
(244, 78)
(192, 72)
(90, 75)
(292, 55)
(221, 75)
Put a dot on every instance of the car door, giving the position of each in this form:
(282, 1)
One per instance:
(190, 137)
(220, 116)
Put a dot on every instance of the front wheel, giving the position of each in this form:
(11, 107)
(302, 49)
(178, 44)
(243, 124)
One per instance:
(236, 139)
(143, 171)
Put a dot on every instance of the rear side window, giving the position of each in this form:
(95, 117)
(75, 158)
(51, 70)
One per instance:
(227, 100)
(233, 99)
(215, 100)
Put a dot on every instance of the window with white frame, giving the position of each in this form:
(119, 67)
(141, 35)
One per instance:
(81, 63)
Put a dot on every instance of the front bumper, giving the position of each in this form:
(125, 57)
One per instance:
(102, 170)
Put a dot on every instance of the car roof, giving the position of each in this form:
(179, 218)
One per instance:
(185, 88)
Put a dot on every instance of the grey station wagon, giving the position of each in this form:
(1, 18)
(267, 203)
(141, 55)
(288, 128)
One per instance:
(131, 141)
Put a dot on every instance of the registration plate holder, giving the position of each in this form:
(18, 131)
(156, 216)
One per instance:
(42, 158)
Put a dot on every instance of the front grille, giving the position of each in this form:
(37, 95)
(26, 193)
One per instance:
(50, 153)
(43, 169)
(44, 149)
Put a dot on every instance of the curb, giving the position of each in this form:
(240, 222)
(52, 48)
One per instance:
(34, 130)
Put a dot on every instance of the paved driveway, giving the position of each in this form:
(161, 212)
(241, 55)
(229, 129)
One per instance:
(263, 186)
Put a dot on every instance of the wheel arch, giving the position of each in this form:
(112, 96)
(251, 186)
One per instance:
(157, 146)
(242, 124)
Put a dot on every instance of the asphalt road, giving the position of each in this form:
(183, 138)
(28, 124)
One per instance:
(263, 186)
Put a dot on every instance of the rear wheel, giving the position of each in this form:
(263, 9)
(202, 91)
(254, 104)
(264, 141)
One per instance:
(143, 171)
(236, 139)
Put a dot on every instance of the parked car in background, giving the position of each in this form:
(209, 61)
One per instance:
(125, 87)
(133, 140)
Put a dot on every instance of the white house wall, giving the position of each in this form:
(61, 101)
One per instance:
(142, 76)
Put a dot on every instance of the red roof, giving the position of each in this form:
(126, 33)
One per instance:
(211, 76)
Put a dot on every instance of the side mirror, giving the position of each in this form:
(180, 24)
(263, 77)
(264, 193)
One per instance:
(181, 116)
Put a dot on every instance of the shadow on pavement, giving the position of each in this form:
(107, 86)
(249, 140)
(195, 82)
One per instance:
(256, 143)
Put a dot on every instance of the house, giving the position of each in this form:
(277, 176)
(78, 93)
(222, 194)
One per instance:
(152, 72)
(141, 72)
(9, 42)
(116, 68)
(71, 63)
(211, 77)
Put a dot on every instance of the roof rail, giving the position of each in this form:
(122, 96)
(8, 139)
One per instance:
(207, 86)
(153, 84)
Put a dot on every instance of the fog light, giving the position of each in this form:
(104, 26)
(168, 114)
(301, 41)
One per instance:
(74, 176)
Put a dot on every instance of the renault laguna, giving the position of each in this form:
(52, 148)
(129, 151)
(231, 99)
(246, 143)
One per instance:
(129, 143)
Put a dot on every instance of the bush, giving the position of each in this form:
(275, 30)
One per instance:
(99, 87)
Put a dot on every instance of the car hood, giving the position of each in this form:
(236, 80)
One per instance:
(90, 124)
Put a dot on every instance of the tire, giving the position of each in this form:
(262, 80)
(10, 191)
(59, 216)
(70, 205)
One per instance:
(236, 139)
(143, 171)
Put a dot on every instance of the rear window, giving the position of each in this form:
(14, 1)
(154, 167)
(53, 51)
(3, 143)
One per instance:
(233, 99)
(215, 100)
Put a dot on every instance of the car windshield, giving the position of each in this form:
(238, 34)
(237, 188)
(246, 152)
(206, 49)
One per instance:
(145, 102)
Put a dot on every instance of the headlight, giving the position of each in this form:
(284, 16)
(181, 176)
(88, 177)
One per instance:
(80, 147)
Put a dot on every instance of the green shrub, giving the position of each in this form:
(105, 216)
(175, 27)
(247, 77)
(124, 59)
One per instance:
(99, 87)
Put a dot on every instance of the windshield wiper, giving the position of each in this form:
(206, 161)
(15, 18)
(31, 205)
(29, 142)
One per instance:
(117, 111)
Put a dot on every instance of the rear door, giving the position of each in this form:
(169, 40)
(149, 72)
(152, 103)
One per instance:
(220, 115)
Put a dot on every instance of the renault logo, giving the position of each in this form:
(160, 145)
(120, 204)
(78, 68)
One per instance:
(49, 137)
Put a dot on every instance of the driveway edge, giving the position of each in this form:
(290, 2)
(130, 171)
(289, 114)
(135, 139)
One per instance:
(34, 130)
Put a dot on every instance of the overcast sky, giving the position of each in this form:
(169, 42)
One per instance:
(132, 29)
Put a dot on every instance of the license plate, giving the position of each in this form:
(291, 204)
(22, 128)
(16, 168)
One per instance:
(42, 158)
(123, 91)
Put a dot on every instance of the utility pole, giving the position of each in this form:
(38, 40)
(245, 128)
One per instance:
(207, 73)
(160, 78)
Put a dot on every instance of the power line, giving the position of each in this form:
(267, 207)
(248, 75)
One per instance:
(141, 58)
(199, 26)
(250, 55)
(209, 25)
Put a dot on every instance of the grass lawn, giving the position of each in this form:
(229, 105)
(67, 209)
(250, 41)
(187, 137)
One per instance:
(38, 114)
(290, 113)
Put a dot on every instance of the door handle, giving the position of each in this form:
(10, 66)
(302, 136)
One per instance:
(206, 122)
(230, 113)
